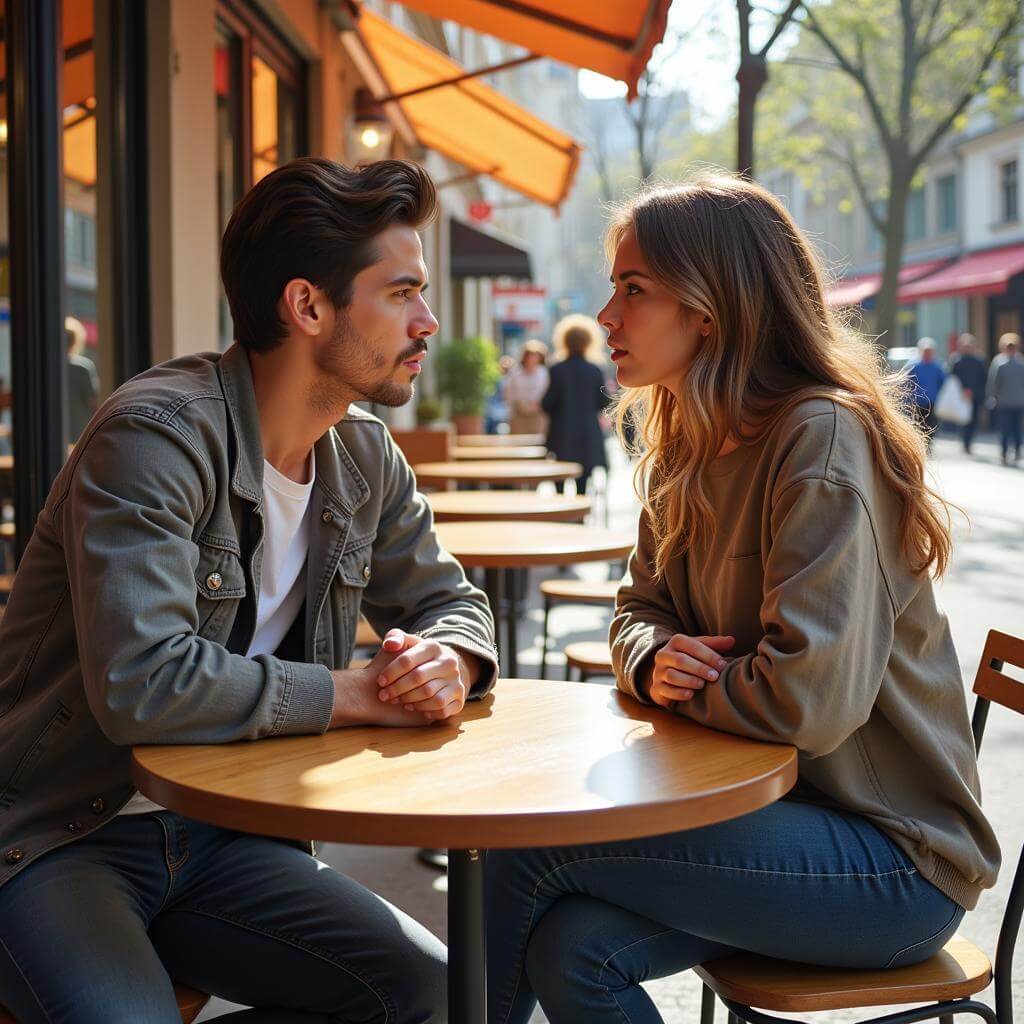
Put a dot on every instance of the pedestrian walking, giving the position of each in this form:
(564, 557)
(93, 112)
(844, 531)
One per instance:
(969, 368)
(927, 378)
(1006, 395)
(525, 386)
(576, 398)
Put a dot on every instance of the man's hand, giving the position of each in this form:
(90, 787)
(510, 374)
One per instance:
(685, 664)
(423, 676)
(356, 701)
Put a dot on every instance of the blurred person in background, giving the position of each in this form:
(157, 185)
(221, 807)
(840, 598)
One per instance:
(83, 383)
(577, 398)
(927, 378)
(1006, 395)
(496, 410)
(525, 386)
(969, 368)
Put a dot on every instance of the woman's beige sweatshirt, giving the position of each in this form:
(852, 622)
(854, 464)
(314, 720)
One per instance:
(840, 648)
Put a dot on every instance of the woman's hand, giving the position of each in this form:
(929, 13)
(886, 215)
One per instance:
(686, 664)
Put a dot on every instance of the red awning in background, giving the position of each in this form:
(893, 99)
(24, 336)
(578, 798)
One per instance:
(852, 291)
(979, 273)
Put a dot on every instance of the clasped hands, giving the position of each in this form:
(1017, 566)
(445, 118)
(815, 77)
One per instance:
(410, 681)
(685, 665)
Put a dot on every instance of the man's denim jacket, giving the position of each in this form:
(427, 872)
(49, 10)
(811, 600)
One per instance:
(141, 578)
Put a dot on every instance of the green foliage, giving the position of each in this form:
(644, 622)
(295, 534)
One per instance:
(428, 410)
(467, 372)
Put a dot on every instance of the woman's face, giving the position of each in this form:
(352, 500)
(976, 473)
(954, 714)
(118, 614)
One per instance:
(653, 338)
(531, 360)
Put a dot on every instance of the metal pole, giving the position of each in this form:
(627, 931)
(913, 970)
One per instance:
(494, 588)
(467, 938)
(35, 56)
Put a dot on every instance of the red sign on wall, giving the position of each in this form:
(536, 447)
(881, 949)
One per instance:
(480, 210)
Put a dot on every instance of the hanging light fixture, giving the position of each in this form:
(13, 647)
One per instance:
(372, 132)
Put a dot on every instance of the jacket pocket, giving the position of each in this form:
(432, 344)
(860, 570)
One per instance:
(33, 755)
(355, 567)
(220, 585)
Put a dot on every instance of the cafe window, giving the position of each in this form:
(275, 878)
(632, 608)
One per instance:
(947, 202)
(260, 112)
(1008, 192)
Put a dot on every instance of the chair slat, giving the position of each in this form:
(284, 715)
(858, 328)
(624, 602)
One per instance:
(991, 683)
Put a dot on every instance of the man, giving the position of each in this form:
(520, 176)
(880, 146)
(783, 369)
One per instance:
(927, 378)
(196, 577)
(1006, 395)
(969, 368)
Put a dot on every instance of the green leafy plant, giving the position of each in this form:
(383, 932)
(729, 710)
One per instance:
(429, 410)
(467, 372)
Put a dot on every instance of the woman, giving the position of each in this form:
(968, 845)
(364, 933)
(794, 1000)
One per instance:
(780, 589)
(525, 386)
(576, 398)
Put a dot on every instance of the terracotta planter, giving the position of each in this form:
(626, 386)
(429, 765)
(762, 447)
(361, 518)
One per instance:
(468, 424)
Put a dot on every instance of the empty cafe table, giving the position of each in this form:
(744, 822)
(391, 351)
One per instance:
(467, 452)
(499, 440)
(590, 766)
(459, 506)
(523, 472)
(478, 545)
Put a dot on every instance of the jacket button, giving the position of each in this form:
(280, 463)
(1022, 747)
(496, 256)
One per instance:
(74, 826)
(13, 856)
(214, 581)
(366, 572)
(327, 516)
(99, 805)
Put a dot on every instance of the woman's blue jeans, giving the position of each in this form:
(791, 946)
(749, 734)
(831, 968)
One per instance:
(94, 932)
(580, 927)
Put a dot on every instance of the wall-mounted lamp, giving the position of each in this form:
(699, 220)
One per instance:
(372, 132)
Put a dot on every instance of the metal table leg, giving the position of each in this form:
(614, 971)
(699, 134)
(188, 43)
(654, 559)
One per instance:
(467, 938)
(494, 588)
(512, 621)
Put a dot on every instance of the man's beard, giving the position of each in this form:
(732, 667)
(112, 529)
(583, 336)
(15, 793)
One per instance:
(349, 364)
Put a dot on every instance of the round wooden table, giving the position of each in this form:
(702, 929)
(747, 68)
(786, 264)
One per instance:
(524, 472)
(459, 506)
(499, 440)
(532, 764)
(469, 453)
(478, 545)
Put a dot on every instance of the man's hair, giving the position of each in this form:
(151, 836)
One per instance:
(315, 219)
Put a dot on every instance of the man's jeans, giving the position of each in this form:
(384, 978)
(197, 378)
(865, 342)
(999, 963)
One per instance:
(579, 927)
(96, 930)
(1009, 430)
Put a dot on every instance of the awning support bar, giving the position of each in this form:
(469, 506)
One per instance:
(459, 78)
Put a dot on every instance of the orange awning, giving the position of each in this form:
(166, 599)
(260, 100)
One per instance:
(466, 121)
(613, 37)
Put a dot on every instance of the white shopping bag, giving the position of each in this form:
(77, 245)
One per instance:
(952, 405)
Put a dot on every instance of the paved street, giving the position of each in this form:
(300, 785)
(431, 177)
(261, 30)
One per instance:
(984, 590)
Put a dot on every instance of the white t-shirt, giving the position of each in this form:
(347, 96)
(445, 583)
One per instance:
(283, 580)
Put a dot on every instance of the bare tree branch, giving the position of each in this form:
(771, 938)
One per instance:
(858, 74)
(849, 163)
(780, 26)
(969, 92)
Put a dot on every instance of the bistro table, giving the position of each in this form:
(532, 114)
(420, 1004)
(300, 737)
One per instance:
(524, 472)
(535, 763)
(478, 545)
(458, 506)
(499, 440)
(468, 452)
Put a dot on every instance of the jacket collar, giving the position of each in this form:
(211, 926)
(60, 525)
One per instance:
(336, 472)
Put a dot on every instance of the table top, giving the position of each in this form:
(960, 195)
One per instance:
(534, 763)
(455, 506)
(468, 452)
(498, 471)
(499, 440)
(478, 545)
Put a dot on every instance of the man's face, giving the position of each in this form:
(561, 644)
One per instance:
(375, 349)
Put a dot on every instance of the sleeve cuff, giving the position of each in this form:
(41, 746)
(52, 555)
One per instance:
(630, 659)
(308, 700)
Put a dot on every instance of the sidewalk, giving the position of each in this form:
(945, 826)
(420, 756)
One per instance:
(984, 590)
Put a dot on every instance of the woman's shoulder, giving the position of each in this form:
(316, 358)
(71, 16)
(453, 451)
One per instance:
(819, 437)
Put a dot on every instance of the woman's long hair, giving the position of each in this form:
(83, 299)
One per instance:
(729, 250)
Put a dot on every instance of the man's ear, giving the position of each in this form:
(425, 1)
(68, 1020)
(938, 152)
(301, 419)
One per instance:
(302, 305)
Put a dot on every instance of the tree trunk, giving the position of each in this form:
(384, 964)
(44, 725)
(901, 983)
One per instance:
(751, 76)
(886, 304)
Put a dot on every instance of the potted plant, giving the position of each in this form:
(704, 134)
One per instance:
(468, 372)
(428, 410)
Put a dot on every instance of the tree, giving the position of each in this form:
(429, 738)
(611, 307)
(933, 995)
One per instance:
(752, 77)
(911, 70)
